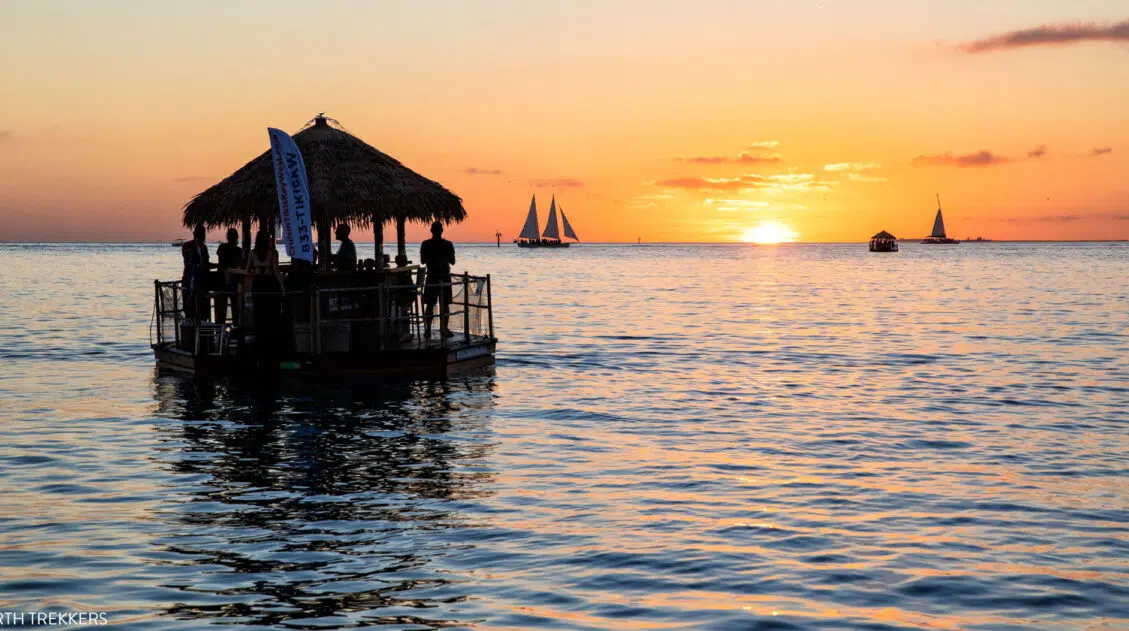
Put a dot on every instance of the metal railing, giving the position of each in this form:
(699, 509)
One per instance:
(375, 317)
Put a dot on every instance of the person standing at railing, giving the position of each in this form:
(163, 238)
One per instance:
(193, 280)
(228, 257)
(264, 282)
(438, 254)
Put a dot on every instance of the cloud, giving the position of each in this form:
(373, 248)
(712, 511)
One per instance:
(862, 177)
(193, 178)
(851, 166)
(763, 144)
(736, 205)
(979, 159)
(5, 134)
(478, 171)
(772, 183)
(742, 158)
(561, 182)
(1051, 35)
(1110, 216)
(713, 184)
(1038, 152)
(1101, 151)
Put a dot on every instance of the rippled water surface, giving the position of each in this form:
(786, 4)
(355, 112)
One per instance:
(674, 437)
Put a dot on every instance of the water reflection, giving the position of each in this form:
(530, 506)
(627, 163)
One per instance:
(314, 504)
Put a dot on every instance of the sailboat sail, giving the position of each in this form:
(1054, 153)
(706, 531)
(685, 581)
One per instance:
(530, 229)
(569, 232)
(938, 226)
(939, 222)
(551, 229)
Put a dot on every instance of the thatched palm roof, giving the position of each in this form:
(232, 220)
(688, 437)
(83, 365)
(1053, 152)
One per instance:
(884, 235)
(350, 182)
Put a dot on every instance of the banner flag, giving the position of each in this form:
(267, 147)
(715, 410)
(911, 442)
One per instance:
(293, 195)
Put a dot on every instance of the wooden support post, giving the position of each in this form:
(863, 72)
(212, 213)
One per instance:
(247, 243)
(324, 244)
(316, 321)
(401, 242)
(378, 242)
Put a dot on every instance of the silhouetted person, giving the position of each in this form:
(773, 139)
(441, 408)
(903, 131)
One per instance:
(194, 278)
(265, 284)
(438, 254)
(346, 257)
(229, 256)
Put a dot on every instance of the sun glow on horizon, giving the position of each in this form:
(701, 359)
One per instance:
(769, 232)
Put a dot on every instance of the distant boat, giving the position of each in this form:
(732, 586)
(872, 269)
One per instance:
(551, 237)
(937, 237)
(883, 242)
(176, 243)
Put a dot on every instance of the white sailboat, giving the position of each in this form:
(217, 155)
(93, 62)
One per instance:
(551, 237)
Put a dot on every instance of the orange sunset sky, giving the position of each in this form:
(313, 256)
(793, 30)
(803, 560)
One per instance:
(669, 121)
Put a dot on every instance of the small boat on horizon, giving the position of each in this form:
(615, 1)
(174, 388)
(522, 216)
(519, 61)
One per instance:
(176, 243)
(551, 238)
(937, 237)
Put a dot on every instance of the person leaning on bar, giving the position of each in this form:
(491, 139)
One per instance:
(438, 254)
(346, 258)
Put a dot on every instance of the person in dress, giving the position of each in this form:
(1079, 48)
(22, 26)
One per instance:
(264, 283)
(438, 254)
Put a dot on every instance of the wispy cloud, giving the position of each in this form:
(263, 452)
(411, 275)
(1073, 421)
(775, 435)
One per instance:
(560, 182)
(742, 158)
(736, 205)
(1065, 218)
(712, 184)
(981, 158)
(863, 177)
(763, 144)
(1038, 152)
(851, 166)
(478, 171)
(777, 183)
(649, 201)
(1101, 151)
(1051, 35)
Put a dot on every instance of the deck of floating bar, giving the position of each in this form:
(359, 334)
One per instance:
(358, 323)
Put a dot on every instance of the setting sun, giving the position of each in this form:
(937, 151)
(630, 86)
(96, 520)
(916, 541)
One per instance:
(769, 232)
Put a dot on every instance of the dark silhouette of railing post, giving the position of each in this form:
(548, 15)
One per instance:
(489, 306)
(466, 307)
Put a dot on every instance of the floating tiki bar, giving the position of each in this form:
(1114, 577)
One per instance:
(883, 242)
(367, 320)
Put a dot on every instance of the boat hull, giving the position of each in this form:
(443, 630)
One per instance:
(939, 241)
(538, 244)
(883, 247)
(458, 357)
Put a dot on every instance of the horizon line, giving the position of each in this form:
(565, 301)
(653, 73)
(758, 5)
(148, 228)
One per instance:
(493, 243)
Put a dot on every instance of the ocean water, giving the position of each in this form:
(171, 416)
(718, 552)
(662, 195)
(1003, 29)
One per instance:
(674, 437)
